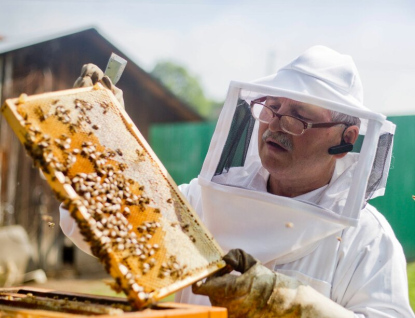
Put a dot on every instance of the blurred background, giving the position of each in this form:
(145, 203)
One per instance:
(181, 56)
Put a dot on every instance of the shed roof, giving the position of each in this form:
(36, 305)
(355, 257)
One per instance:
(101, 41)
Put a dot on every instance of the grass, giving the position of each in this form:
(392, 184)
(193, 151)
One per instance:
(411, 284)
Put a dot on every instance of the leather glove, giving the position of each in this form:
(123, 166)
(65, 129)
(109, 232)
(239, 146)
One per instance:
(91, 74)
(261, 293)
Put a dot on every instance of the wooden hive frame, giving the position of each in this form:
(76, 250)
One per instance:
(125, 203)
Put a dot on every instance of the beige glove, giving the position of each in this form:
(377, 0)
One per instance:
(91, 74)
(261, 293)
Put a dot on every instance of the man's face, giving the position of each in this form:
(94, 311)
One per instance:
(304, 157)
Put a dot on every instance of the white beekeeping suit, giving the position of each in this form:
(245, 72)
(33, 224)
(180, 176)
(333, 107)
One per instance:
(330, 238)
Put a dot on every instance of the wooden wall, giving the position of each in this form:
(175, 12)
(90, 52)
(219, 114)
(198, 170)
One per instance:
(25, 198)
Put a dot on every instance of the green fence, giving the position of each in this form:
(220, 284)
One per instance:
(397, 204)
(182, 148)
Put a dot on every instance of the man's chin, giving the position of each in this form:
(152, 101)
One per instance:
(274, 159)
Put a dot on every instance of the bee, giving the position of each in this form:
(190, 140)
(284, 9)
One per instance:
(143, 296)
(289, 225)
(47, 218)
(140, 154)
(185, 227)
(126, 212)
(73, 128)
(22, 99)
(41, 114)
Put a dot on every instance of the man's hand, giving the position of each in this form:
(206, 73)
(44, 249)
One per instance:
(92, 74)
(261, 293)
(242, 294)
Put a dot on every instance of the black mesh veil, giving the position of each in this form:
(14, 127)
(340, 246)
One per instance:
(238, 140)
(234, 152)
(378, 174)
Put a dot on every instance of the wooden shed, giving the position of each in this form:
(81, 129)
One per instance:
(51, 64)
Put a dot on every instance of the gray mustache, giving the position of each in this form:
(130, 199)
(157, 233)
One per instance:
(280, 137)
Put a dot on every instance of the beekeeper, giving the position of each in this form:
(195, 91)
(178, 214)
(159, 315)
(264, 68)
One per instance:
(283, 192)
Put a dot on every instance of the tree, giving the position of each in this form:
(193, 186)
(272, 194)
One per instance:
(186, 87)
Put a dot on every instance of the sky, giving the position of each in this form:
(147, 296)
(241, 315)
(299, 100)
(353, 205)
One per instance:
(219, 41)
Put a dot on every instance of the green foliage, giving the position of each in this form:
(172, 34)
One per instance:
(186, 87)
(411, 284)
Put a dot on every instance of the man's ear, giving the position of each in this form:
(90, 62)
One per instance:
(350, 135)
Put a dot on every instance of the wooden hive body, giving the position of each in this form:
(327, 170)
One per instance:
(36, 303)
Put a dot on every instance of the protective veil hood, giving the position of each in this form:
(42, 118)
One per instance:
(322, 73)
(237, 208)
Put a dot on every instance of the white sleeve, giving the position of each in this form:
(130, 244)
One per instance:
(193, 194)
(71, 230)
(371, 281)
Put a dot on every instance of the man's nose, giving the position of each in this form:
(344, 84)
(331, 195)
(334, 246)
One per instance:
(274, 124)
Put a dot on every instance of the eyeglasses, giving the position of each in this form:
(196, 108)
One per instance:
(290, 124)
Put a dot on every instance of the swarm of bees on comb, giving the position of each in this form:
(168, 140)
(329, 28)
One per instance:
(125, 204)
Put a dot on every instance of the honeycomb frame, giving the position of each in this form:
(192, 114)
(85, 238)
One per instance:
(127, 206)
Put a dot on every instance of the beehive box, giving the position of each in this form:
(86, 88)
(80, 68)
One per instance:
(126, 205)
(36, 303)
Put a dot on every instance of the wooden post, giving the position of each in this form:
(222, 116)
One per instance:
(12, 146)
